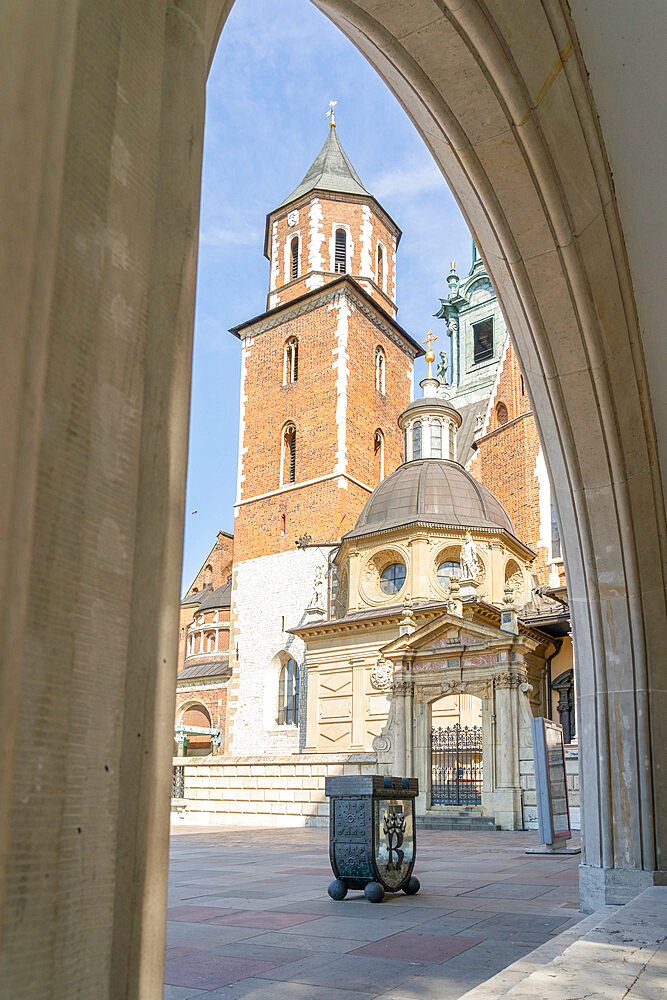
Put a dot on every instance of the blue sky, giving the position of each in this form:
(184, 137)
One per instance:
(276, 68)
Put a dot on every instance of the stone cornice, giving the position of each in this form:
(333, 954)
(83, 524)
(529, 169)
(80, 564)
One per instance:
(345, 286)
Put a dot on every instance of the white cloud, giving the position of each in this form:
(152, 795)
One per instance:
(408, 181)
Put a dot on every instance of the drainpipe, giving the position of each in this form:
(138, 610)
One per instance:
(557, 648)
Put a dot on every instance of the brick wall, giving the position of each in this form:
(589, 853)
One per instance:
(319, 216)
(214, 700)
(220, 560)
(336, 410)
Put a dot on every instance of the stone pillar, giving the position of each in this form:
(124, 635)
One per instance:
(488, 752)
(104, 120)
(507, 795)
(421, 753)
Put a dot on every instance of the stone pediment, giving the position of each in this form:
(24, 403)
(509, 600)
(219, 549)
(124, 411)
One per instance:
(448, 635)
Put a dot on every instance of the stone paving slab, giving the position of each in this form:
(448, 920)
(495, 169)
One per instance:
(619, 953)
(250, 918)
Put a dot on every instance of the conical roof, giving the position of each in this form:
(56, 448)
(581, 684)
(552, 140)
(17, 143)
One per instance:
(331, 170)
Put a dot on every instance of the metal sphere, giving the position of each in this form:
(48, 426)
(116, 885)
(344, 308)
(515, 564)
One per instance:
(337, 890)
(412, 886)
(374, 892)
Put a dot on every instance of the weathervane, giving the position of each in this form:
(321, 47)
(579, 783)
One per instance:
(330, 113)
(430, 356)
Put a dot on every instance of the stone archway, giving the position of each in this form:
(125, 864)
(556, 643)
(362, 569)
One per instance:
(96, 379)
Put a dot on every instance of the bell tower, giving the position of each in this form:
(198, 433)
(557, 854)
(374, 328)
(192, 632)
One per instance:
(325, 372)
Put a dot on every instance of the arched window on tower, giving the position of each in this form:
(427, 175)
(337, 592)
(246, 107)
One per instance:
(294, 258)
(380, 365)
(208, 575)
(501, 413)
(380, 267)
(436, 439)
(416, 440)
(291, 361)
(378, 454)
(340, 255)
(288, 455)
(288, 694)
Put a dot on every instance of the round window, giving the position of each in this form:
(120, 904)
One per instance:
(446, 570)
(392, 578)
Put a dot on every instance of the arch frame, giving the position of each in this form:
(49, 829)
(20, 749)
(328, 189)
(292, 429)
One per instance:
(97, 376)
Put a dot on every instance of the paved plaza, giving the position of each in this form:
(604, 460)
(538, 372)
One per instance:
(249, 917)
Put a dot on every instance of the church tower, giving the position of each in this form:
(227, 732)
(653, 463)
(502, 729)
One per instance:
(325, 372)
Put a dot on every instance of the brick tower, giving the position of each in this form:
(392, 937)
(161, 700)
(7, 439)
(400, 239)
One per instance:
(325, 372)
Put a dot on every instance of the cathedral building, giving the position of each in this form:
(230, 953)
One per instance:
(381, 611)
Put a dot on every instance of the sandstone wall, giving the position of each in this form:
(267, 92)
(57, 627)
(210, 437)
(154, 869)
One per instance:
(262, 791)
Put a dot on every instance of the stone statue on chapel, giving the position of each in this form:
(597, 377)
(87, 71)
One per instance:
(468, 558)
(441, 370)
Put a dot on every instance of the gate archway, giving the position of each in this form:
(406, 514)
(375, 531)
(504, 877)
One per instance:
(456, 765)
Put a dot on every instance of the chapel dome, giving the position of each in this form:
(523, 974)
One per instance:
(431, 491)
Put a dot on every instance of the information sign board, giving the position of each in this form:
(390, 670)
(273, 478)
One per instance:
(553, 814)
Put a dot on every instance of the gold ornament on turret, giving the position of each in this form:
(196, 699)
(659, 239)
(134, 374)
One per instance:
(430, 356)
(330, 114)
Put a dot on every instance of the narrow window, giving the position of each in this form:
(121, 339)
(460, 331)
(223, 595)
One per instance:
(295, 257)
(483, 340)
(380, 364)
(523, 388)
(452, 443)
(288, 457)
(288, 694)
(436, 439)
(378, 453)
(380, 267)
(340, 264)
(416, 440)
(501, 413)
(291, 361)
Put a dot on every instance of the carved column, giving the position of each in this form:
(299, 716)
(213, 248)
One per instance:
(507, 796)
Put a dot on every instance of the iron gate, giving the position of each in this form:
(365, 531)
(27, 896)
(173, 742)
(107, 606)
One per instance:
(456, 765)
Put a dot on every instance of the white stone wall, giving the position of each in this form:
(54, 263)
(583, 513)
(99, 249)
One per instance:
(262, 791)
(269, 591)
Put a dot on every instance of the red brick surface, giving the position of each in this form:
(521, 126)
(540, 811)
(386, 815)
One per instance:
(322, 510)
(335, 212)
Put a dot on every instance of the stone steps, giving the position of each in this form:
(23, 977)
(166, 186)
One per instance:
(456, 820)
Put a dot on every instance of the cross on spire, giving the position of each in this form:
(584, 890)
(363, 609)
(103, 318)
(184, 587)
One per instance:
(430, 356)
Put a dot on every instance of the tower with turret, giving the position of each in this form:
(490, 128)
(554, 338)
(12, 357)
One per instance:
(325, 371)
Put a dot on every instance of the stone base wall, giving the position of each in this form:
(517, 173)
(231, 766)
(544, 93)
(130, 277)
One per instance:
(262, 791)
(527, 771)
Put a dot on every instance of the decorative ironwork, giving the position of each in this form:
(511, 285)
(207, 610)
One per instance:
(178, 782)
(456, 765)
